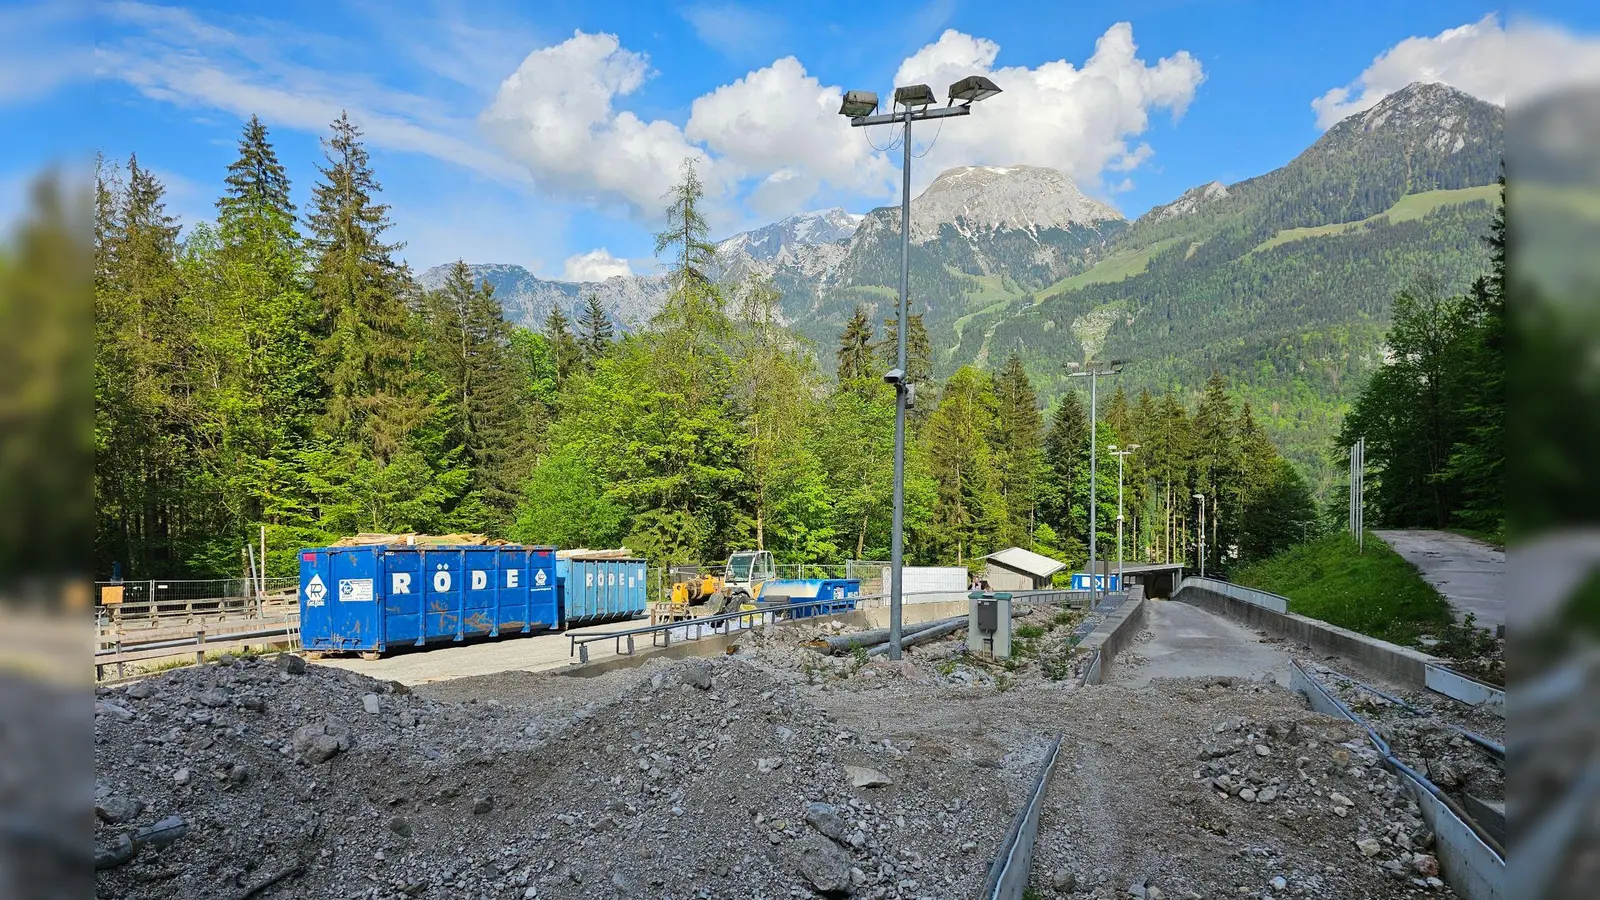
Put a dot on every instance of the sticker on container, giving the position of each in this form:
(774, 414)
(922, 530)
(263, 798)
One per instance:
(315, 591)
(355, 590)
(538, 578)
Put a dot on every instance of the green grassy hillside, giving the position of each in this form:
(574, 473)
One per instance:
(1374, 592)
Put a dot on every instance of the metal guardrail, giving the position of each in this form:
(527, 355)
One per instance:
(1474, 861)
(1012, 866)
(661, 634)
(739, 620)
(1263, 599)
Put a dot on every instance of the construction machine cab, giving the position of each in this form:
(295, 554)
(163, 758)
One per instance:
(748, 570)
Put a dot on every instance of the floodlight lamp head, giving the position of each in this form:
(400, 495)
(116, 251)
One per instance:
(1111, 446)
(859, 103)
(1133, 446)
(971, 89)
(894, 376)
(1117, 364)
(914, 95)
(1200, 496)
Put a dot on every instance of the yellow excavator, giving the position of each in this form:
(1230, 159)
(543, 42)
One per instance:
(707, 593)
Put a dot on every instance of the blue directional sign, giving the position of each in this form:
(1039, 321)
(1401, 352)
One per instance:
(1108, 583)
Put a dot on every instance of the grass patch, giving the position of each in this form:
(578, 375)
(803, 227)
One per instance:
(1118, 266)
(1407, 209)
(1376, 593)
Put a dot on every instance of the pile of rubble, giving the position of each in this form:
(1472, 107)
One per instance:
(701, 779)
(1421, 729)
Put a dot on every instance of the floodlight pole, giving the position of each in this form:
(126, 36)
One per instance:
(1093, 374)
(897, 536)
(1120, 454)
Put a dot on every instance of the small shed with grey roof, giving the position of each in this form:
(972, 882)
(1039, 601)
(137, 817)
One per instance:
(1016, 569)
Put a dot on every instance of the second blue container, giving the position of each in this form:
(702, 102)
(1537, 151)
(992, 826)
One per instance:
(600, 589)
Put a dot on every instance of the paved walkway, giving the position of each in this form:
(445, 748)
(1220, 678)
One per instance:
(1187, 641)
(1470, 574)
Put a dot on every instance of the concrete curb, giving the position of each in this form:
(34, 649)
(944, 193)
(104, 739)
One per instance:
(1400, 664)
(1108, 639)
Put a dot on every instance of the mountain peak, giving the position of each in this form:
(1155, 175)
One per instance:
(1428, 116)
(1189, 201)
(823, 226)
(993, 198)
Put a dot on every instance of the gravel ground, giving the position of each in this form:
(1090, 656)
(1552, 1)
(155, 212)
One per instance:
(772, 772)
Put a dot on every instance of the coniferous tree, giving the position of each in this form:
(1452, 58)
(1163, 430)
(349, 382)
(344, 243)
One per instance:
(368, 347)
(565, 351)
(1216, 466)
(855, 347)
(142, 348)
(471, 352)
(968, 512)
(595, 330)
(1065, 445)
(1015, 438)
(919, 350)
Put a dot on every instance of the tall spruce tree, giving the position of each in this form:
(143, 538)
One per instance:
(1065, 445)
(1015, 438)
(470, 347)
(565, 352)
(368, 347)
(919, 350)
(855, 347)
(969, 514)
(1216, 466)
(595, 330)
(258, 383)
(141, 427)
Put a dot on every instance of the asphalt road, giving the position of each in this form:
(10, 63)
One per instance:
(1470, 574)
(1187, 641)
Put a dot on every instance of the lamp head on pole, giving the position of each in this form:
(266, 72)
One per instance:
(971, 89)
(859, 103)
(914, 95)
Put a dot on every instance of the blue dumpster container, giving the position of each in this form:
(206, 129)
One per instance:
(600, 589)
(373, 598)
(833, 595)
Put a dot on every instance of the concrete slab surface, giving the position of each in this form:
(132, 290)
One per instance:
(1470, 574)
(1186, 641)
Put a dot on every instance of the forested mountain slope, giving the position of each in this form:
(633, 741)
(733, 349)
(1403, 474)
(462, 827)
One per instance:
(1282, 282)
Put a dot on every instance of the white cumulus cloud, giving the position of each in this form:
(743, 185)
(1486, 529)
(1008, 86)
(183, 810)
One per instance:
(1483, 58)
(783, 124)
(1057, 114)
(596, 265)
(555, 115)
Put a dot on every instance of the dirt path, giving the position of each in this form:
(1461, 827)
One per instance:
(1470, 574)
(1185, 641)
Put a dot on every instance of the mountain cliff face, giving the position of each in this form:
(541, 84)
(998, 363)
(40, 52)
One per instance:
(631, 299)
(805, 229)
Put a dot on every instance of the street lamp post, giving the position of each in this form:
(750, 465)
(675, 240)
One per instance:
(1120, 455)
(913, 101)
(1093, 371)
(1201, 502)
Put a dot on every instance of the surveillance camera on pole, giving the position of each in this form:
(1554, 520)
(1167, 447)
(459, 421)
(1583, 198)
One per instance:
(913, 103)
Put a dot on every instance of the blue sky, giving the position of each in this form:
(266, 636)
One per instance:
(542, 134)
